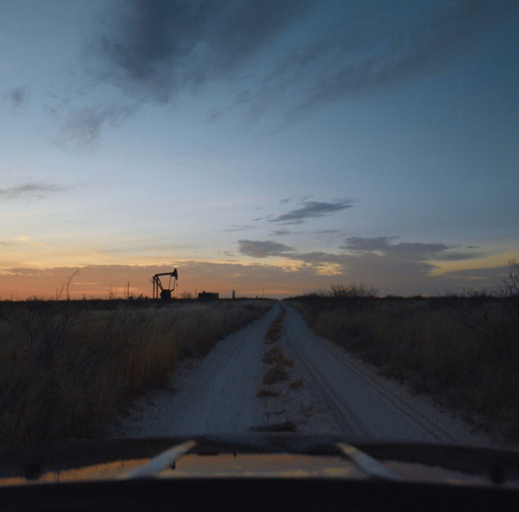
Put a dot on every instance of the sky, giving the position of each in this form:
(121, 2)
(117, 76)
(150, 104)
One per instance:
(269, 148)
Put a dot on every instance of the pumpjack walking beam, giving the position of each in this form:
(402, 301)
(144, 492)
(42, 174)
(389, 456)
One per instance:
(165, 293)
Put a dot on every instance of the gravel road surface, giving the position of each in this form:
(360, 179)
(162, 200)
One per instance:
(328, 391)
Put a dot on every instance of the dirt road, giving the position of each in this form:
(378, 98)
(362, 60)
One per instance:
(327, 391)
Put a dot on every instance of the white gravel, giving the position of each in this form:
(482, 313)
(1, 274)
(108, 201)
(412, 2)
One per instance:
(339, 394)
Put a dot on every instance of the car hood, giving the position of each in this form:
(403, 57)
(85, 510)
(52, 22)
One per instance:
(258, 455)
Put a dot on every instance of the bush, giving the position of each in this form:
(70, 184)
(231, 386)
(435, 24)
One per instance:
(494, 318)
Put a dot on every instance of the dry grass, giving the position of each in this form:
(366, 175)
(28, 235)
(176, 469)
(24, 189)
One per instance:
(276, 356)
(275, 331)
(296, 384)
(66, 369)
(276, 361)
(275, 374)
(272, 355)
(438, 347)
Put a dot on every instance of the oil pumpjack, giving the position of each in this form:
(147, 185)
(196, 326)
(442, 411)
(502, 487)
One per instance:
(165, 293)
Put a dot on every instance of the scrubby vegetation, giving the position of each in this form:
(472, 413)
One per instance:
(276, 362)
(462, 348)
(67, 367)
(275, 330)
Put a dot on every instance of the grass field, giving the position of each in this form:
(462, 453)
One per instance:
(67, 367)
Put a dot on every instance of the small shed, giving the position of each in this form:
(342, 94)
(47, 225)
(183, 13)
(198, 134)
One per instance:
(208, 296)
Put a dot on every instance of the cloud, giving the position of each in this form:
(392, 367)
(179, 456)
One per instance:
(154, 48)
(84, 125)
(194, 276)
(312, 209)
(388, 273)
(269, 51)
(492, 275)
(374, 51)
(263, 249)
(286, 232)
(390, 266)
(17, 96)
(28, 191)
(281, 232)
(406, 250)
(327, 231)
(238, 228)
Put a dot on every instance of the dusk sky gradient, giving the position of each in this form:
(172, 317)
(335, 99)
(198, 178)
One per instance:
(272, 147)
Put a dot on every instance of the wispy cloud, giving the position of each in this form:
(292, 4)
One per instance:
(371, 52)
(312, 209)
(480, 276)
(238, 228)
(155, 49)
(84, 125)
(326, 231)
(288, 232)
(407, 250)
(29, 191)
(281, 232)
(262, 249)
(17, 96)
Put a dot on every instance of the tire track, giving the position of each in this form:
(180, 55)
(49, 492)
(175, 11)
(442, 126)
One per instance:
(367, 409)
(351, 424)
(412, 412)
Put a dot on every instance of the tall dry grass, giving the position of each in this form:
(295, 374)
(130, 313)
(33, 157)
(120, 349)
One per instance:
(65, 369)
(438, 347)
